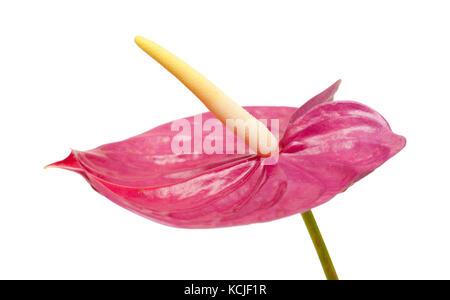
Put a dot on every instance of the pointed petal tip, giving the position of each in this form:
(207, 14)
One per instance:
(333, 89)
(69, 163)
(337, 83)
(50, 166)
(400, 143)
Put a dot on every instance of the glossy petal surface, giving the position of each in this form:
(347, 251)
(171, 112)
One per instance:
(325, 147)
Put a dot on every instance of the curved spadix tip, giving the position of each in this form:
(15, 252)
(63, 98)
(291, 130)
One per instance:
(139, 40)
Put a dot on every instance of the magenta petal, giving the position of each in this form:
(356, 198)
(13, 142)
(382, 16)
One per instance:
(147, 160)
(326, 146)
(345, 132)
(325, 96)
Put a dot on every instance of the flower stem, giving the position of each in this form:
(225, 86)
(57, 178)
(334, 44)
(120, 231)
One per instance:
(320, 246)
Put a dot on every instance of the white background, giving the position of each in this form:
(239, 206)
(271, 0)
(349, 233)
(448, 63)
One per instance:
(72, 77)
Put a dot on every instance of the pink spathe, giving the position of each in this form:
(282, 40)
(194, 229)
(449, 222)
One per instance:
(325, 146)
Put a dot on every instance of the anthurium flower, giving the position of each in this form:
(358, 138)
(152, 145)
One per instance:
(252, 170)
(325, 146)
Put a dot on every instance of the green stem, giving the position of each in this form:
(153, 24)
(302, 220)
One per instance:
(320, 246)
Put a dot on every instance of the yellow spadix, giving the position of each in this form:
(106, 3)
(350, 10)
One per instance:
(236, 118)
